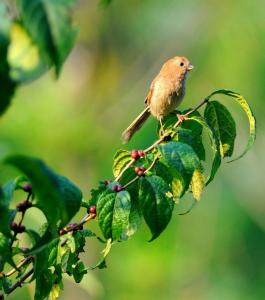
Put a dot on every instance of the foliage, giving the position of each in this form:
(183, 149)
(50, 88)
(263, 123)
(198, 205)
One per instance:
(147, 184)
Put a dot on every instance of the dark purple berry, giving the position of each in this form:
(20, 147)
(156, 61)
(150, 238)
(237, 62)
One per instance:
(27, 188)
(62, 232)
(14, 226)
(24, 205)
(18, 228)
(120, 188)
(115, 188)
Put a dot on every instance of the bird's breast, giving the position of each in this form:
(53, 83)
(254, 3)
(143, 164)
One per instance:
(165, 99)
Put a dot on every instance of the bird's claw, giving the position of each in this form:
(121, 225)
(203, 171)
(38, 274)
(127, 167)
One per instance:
(181, 118)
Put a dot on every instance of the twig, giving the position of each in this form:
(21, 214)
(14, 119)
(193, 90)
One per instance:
(18, 266)
(130, 163)
(20, 281)
(137, 177)
(161, 139)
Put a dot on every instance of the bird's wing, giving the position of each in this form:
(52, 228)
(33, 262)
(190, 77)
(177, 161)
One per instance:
(148, 98)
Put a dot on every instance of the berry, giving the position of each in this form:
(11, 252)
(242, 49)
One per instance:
(136, 169)
(71, 226)
(14, 226)
(62, 231)
(141, 153)
(27, 188)
(92, 209)
(140, 173)
(120, 188)
(24, 205)
(106, 182)
(115, 188)
(135, 154)
(142, 168)
(17, 228)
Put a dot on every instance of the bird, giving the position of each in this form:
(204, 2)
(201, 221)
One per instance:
(166, 92)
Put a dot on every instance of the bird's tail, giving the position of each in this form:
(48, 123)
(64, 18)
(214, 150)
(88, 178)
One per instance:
(136, 125)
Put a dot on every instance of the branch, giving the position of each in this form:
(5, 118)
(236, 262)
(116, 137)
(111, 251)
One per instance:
(18, 266)
(160, 140)
(20, 281)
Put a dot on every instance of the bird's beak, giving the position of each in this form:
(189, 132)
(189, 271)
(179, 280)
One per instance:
(190, 67)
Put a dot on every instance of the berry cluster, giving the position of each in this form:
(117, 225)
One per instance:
(17, 228)
(137, 154)
(23, 206)
(117, 188)
(140, 171)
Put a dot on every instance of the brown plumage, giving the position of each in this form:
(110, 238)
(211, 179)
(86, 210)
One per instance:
(166, 93)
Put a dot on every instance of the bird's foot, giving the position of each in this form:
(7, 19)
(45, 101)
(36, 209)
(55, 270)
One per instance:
(181, 118)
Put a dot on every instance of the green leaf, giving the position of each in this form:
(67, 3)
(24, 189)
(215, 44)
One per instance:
(95, 193)
(197, 184)
(7, 215)
(42, 271)
(221, 121)
(113, 210)
(215, 146)
(191, 138)
(24, 57)
(4, 250)
(181, 160)
(172, 177)
(80, 238)
(120, 160)
(49, 24)
(195, 127)
(252, 122)
(79, 271)
(7, 86)
(171, 119)
(161, 170)
(56, 196)
(156, 204)
(6, 284)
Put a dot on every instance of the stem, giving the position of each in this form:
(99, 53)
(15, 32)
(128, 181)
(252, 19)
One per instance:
(18, 266)
(15, 233)
(130, 163)
(20, 281)
(147, 170)
(160, 140)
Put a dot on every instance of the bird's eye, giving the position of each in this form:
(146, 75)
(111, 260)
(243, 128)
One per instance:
(182, 64)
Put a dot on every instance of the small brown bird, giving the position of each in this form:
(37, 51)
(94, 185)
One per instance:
(166, 93)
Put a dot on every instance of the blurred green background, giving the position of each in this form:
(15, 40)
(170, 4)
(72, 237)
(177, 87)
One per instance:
(74, 124)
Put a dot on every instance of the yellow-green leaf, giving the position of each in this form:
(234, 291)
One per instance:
(197, 184)
(223, 124)
(215, 146)
(23, 56)
(121, 159)
(252, 122)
